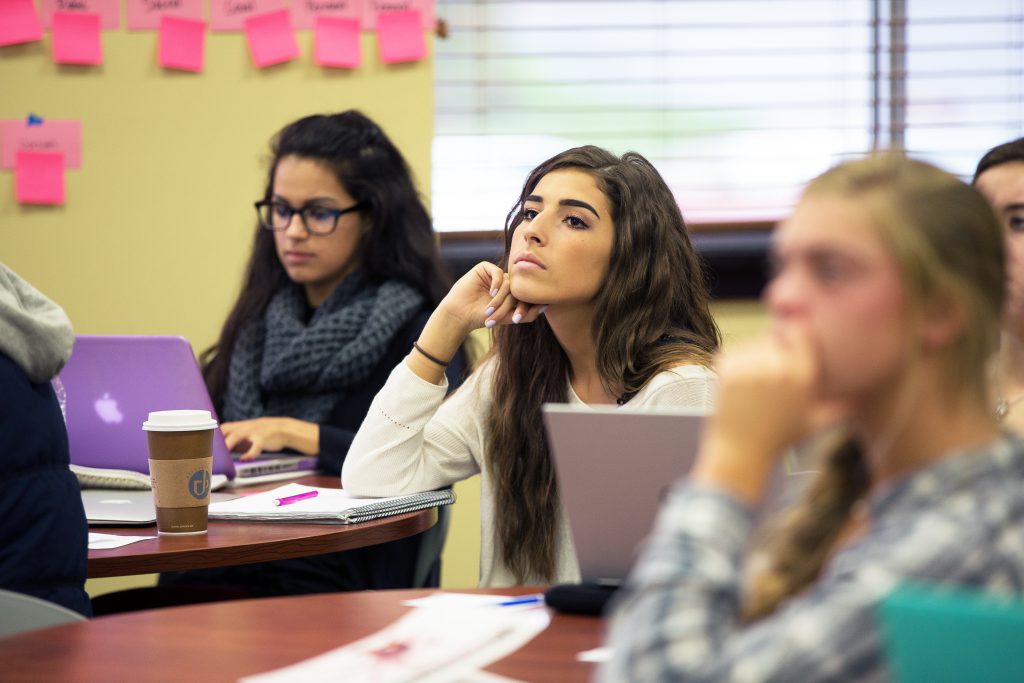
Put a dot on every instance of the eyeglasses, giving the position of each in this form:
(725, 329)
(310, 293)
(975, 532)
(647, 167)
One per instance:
(318, 220)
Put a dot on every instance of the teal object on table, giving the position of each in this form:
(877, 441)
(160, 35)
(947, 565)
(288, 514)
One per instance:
(935, 634)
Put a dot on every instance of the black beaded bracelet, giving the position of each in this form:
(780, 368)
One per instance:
(433, 359)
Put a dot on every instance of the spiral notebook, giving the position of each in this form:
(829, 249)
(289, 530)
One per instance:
(329, 506)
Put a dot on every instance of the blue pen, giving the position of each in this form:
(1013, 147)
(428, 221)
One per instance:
(522, 600)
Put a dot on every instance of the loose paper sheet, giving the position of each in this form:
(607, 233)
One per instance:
(428, 645)
(110, 541)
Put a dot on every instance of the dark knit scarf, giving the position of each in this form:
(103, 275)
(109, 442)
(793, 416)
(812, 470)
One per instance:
(283, 366)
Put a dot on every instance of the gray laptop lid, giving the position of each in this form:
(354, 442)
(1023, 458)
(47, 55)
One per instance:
(614, 466)
(111, 385)
(118, 507)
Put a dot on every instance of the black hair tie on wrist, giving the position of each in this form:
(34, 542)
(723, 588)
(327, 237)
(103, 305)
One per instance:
(431, 358)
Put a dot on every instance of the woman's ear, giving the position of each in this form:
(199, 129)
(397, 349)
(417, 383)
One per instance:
(944, 321)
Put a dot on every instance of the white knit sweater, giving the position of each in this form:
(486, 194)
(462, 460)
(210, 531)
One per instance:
(412, 440)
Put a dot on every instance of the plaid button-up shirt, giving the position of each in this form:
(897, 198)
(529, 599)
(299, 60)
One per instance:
(958, 521)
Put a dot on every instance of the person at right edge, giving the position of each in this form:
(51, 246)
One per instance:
(886, 303)
(43, 533)
(1000, 177)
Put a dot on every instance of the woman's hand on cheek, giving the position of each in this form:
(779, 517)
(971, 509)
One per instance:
(483, 298)
(765, 403)
(476, 296)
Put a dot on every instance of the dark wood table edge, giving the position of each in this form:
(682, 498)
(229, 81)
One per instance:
(551, 656)
(345, 537)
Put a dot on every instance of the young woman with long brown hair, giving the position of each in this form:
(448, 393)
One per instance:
(886, 301)
(599, 299)
(343, 273)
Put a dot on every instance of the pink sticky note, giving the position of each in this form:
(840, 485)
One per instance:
(19, 22)
(181, 43)
(39, 177)
(145, 15)
(53, 135)
(230, 15)
(271, 38)
(400, 37)
(305, 12)
(337, 42)
(372, 8)
(76, 38)
(109, 10)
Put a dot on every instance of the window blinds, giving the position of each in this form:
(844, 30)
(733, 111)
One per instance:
(737, 102)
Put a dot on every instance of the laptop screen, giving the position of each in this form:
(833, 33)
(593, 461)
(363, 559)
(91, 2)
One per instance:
(614, 466)
(112, 383)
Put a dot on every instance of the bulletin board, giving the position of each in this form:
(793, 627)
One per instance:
(156, 225)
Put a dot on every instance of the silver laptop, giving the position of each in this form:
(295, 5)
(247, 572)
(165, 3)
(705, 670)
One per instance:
(614, 466)
(117, 507)
(128, 507)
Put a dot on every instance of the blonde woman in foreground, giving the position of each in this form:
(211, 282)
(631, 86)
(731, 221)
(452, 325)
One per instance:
(886, 304)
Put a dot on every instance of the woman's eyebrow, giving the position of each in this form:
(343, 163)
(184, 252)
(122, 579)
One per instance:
(580, 204)
(565, 202)
(311, 201)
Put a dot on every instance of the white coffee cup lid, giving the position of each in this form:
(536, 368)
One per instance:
(179, 421)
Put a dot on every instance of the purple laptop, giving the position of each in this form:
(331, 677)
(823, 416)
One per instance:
(113, 382)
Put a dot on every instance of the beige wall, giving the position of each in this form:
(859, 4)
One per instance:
(156, 228)
(157, 224)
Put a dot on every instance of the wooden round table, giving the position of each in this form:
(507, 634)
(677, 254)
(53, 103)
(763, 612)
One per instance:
(225, 641)
(231, 543)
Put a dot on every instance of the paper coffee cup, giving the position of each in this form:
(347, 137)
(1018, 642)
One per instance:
(180, 467)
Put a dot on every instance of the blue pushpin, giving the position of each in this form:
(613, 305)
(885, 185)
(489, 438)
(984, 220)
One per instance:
(34, 120)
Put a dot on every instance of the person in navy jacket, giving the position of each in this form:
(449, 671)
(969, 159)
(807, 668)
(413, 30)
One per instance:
(44, 535)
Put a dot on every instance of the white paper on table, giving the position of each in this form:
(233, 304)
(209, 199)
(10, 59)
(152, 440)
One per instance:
(443, 599)
(428, 645)
(110, 541)
(598, 654)
(483, 677)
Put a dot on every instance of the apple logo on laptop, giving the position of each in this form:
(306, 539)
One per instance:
(106, 408)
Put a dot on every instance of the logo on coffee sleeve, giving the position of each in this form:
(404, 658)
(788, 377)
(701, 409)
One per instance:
(199, 484)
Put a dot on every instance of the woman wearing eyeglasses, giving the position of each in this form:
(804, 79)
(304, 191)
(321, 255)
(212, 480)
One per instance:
(343, 274)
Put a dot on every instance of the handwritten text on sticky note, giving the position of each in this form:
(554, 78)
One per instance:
(305, 12)
(372, 8)
(53, 135)
(144, 15)
(109, 10)
(230, 15)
